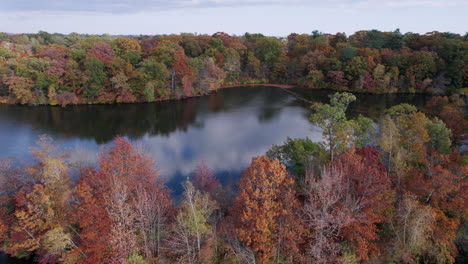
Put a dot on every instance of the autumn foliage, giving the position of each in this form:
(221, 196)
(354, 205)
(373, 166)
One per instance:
(47, 68)
(267, 208)
(393, 195)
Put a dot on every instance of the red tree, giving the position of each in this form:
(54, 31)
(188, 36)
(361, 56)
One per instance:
(92, 218)
(102, 51)
(346, 203)
(368, 197)
(110, 208)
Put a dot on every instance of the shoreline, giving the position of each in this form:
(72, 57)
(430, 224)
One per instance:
(281, 86)
(285, 87)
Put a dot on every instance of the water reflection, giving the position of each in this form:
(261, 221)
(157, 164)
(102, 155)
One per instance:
(6, 259)
(369, 105)
(226, 128)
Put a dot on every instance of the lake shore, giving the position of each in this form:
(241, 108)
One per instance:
(284, 86)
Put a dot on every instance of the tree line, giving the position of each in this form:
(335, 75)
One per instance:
(392, 191)
(58, 69)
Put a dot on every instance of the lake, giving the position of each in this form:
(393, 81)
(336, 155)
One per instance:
(226, 128)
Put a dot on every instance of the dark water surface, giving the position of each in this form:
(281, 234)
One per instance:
(226, 128)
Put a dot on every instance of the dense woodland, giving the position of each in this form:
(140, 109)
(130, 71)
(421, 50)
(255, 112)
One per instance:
(60, 69)
(390, 191)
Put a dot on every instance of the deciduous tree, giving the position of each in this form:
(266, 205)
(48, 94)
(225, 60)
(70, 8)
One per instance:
(266, 206)
(192, 227)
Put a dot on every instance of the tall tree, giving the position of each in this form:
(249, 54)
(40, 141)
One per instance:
(154, 214)
(346, 203)
(109, 231)
(325, 214)
(43, 209)
(92, 218)
(192, 226)
(439, 135)
(413, 227)
(266, 206)
(332, 119)
(412, 133)
(368, 197)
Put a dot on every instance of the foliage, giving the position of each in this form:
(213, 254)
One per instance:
(94, 70)
(193, 228)
(398, 195)
(175, 66)
(266, 205)
(296, 154)
(347, 202)
(338, 131)
(439, 135)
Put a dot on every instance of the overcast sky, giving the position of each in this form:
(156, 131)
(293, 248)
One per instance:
(275, 17)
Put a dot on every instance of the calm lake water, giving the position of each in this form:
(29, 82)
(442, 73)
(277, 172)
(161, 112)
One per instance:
(226, 128)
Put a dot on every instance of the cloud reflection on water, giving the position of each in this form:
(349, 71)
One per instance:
(227, 129)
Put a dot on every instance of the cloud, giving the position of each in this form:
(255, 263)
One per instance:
(132, 6)
(246, 139)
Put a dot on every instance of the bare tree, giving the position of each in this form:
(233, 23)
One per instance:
(325, 214)
(123, 235)
(152, 214)
(413, 226)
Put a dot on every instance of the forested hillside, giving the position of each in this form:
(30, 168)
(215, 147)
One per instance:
(60, 69)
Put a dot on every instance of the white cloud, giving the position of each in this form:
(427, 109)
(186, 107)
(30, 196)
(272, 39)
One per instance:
(129, 6)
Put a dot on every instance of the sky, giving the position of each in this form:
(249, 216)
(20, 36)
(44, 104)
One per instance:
(235, 17)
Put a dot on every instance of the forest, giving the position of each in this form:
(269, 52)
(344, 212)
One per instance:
(58, 69)
(391, 190)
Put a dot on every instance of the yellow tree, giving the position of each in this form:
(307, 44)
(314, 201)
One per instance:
(389, 142)
(123, 46)
(412, 133)
(193, 228)
(42, 211)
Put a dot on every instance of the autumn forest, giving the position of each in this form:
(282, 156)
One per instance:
(58, 69)
(392, 191)
(390, 188)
